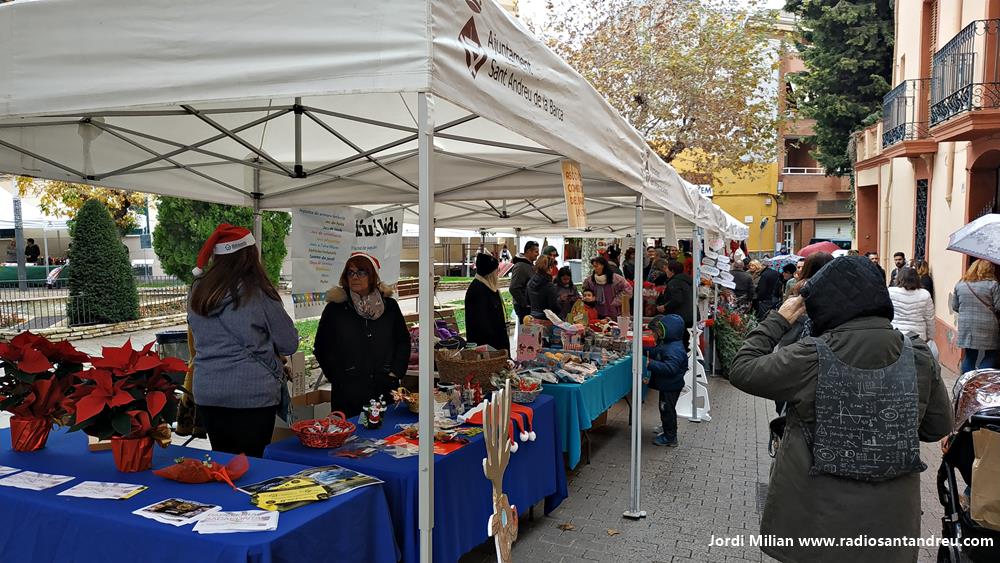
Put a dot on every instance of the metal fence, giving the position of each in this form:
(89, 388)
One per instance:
(901, 113)
(966, 72)
(41, 306)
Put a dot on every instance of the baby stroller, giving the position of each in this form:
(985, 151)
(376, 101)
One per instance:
(977, 406)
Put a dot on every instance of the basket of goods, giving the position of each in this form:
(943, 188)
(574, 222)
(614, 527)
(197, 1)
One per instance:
(329, 432)
(523, 388)
(412, 400)
(457, 366)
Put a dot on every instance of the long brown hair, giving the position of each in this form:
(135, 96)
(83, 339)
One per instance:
(229, 275)
(812, 265)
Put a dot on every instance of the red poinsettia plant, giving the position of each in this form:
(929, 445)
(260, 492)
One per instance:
(127, 394)
(38, 376)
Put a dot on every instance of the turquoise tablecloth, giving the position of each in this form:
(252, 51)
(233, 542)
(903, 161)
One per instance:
(578, 404)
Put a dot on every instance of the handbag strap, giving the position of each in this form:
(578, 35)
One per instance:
(987, 304)
(246, 350)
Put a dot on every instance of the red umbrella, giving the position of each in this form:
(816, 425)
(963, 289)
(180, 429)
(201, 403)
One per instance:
(825, 246)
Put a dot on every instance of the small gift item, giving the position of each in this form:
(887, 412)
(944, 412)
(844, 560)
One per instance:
(188, 470)
(371, 416)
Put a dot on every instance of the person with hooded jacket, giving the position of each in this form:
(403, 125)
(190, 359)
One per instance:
(485, 320)
(362, 343)
(667, 363)
(521, 273)
(542, 292)
(819, 487)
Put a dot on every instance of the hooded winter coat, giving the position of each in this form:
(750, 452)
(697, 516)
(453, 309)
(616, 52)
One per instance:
(520, 274)
(850, 310)
(485, 321)
(913, 312)
(668, 361)
(362, 359)
(542, 295)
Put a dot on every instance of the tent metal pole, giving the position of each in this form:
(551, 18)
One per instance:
(425, 302)
(634, 511)
(232, 135)
(298, 171)
(258, 224)
(696, 235)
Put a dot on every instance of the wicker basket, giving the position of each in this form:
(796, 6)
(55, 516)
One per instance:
(455, 368)
(324, 439)
(525, 397)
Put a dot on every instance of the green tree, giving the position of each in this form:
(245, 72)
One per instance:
(101, 282)
(183, 225)
(64, 199)
(846, 46)
(689, 75)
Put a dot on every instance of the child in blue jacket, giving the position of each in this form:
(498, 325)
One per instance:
(667, 364)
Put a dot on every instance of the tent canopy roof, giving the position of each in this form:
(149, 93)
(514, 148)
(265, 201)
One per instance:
(314, 104)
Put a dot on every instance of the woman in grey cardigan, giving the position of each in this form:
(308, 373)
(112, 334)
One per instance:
(976, 299)
(240, 329)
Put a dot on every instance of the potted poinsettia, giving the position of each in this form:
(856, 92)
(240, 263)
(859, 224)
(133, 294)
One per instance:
(128, 397)
(37, 377)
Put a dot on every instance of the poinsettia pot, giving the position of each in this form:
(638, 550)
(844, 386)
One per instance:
(29, 433)
(132, 454)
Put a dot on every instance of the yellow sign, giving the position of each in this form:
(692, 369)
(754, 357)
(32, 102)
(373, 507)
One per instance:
(576, 208)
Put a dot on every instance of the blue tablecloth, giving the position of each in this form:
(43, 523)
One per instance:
(462, 495)
(578, 404)
(41, 526)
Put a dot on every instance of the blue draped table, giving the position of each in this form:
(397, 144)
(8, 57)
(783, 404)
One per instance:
(578, 404)
(41, 526)
(463, 498)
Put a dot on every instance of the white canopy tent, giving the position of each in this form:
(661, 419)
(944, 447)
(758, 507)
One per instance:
(450, 108)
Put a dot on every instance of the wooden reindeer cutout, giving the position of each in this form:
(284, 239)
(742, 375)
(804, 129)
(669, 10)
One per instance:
(502, 526)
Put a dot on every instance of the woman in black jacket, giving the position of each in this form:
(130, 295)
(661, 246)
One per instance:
(542, 292)
(362, 343)
(485, 318)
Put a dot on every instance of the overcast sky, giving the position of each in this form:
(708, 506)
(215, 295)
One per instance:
(535, 9)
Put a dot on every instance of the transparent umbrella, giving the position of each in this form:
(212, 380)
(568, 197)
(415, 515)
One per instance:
(980, 238)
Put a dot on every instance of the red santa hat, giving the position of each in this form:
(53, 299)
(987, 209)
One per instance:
(520, 415)
(369, 257)
(226, 239)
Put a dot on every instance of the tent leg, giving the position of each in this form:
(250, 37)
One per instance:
(634, 511)
(696, 235)
(258, 225)
(425, 300)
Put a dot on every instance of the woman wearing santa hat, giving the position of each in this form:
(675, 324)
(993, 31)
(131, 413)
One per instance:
(240, 328)
(362, 343)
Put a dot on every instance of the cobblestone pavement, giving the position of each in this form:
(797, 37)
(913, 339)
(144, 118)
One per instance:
(713, 484)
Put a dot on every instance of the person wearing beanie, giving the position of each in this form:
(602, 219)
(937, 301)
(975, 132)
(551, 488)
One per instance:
(362, 343)
(667, 363)
(485, 318)
(857, 387)
(240, 331)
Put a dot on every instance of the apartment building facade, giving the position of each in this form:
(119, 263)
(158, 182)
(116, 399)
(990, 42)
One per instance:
(932, 164)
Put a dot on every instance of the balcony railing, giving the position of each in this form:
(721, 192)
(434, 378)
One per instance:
(803, 170)
(966, 72)
(901, 112)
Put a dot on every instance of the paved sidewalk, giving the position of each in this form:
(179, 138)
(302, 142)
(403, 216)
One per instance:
(713, 484)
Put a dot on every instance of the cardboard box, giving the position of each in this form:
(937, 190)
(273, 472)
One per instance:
(314, 404)
(299, 385)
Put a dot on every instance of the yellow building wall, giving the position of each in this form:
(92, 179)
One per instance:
(745, 196)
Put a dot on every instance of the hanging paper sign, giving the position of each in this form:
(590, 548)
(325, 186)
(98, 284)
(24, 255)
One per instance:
(726, 276)
(576, 207)
(706, 261)
(711, 254)
(727, 284)
(710, 270)
(723, 259)
(322, 240)
(724, 267)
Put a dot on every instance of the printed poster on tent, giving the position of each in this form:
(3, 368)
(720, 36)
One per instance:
(322, 240)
